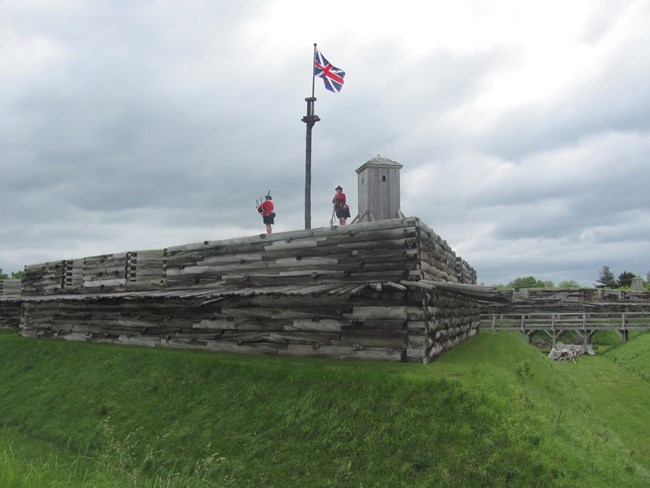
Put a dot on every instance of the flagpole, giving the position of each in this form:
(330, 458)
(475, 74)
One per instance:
(310, 119)
(313, 76)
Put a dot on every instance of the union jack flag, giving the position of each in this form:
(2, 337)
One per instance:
(332, 76)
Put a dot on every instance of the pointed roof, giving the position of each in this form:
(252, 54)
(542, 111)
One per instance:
(379, 162)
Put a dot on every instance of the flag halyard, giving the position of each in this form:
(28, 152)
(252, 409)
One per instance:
(332, 76)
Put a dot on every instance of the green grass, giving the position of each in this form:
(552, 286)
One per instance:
(492, 412)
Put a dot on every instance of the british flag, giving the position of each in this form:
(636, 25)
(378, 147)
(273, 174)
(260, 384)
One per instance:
(332, 76)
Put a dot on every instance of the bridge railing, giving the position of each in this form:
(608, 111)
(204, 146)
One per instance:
(567, 321)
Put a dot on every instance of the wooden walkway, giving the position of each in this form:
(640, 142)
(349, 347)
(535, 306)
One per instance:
(557, 324)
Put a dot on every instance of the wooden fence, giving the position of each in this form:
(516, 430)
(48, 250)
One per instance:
(568, 321)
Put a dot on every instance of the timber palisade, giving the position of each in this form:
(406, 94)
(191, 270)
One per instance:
(10, 304)
(383, 290)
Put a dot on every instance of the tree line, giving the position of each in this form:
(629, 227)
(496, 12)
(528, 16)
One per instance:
(14, 275)
(605, 279)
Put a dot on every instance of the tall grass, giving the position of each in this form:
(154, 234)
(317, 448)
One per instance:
(493, 412)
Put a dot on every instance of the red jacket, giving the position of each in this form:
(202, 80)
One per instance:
(339, 200)
(266, 208)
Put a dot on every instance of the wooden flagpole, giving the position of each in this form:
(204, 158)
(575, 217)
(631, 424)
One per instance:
(310, 119)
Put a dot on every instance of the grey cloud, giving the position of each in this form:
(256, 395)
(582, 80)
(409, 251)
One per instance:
(614, 101)
(155, 126)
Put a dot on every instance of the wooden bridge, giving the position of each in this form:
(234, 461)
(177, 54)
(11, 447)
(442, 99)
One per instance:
(557, 324)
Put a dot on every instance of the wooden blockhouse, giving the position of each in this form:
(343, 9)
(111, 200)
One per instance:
(378, 185)
(387, 290)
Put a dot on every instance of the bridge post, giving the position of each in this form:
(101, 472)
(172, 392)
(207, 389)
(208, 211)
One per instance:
(554, 335)
(529, 335)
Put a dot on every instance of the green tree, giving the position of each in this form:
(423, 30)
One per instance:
(606, 277)
(17, 275)
(526, 282)
(569, 284)
(625, 279)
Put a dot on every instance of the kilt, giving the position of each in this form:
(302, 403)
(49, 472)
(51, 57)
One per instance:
(343, 212)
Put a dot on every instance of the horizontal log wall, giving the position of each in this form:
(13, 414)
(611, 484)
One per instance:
(10, 287)
(146, 268)
(387, 250)
(380, 322)
(379, 251)
(336, 292)
(372, 325)
(10, 310)
(44, 279)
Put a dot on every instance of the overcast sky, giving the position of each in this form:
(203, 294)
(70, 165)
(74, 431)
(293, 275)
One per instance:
(523, 126)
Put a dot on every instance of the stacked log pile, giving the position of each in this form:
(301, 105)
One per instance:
(361, 291)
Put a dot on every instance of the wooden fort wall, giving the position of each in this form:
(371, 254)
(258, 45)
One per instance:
(10, 304)
(10, 310)
(581, 300)
(386, 250)
(363, 291)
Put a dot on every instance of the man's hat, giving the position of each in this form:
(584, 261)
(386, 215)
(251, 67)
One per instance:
(338, 188)
(268, 197)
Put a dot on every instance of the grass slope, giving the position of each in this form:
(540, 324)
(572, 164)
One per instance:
(492, 412)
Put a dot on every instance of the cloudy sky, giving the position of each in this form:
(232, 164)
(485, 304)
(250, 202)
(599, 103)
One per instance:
(523, 126)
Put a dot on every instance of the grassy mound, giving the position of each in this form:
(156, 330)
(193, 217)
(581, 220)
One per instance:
(634, 356)
(492, 412)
